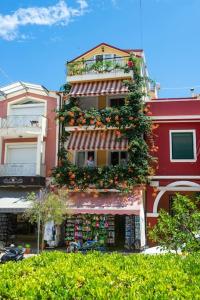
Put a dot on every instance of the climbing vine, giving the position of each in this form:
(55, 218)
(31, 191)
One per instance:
(130, 121)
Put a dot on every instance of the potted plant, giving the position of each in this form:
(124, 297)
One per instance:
(28, 249)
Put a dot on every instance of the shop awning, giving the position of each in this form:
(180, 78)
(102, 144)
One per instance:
(13, 205)
(105, 203)
(96, 88)
(96, 140)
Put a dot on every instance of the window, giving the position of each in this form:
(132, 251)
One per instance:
(99, 58)
(85, 158)
(182, 145)
(118, 158)
(117, 102)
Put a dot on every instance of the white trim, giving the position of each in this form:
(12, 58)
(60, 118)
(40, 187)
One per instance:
(173, 100)
(89, 127)
(176, 121)
(1, 148)
(17, 106)
(169, 186)
(193, 131)
(152, 215)
(174, 177)
(179, 189)
(176, 117)
(27, 97)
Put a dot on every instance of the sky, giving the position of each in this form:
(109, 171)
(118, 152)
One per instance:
(37, 37)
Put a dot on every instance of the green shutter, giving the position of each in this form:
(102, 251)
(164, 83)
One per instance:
(182, 145)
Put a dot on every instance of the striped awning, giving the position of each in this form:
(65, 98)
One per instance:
(96, 140)
(96, 88)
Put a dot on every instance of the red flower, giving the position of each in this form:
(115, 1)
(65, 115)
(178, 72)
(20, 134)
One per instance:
(130, 64)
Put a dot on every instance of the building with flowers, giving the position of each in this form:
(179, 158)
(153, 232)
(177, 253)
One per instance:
(104, 160)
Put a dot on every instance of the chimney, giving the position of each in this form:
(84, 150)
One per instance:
(192, 92)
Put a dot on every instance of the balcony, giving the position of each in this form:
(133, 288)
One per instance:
(28, 124)
(20, 170)
(119, 177)
(111, 68)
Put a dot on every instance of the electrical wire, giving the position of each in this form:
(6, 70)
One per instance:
(2, 71)
(141, 23)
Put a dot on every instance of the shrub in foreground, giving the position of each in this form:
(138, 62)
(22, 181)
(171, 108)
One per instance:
(58, 275)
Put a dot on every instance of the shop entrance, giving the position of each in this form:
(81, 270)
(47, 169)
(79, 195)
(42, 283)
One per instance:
(119, 231)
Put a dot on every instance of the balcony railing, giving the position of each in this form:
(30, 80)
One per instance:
(109, 65)
(20, 170)
(22, 121)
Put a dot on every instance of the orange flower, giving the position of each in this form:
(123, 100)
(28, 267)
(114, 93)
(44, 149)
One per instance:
(92, 122)
(98, 123)
(71, 122)
(72, 176)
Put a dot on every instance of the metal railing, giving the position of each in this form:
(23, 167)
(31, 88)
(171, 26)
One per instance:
(20, 169)
(108, 65)
(29, 121)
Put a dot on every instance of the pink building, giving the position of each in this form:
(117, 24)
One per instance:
(28, 135)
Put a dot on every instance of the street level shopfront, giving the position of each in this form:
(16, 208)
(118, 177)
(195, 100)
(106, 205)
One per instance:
(13, 227)
(114, 220)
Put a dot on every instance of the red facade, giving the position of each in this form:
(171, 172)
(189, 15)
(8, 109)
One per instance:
(173, 175)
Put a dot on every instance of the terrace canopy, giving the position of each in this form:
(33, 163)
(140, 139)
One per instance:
(96, 88)
(90, 140)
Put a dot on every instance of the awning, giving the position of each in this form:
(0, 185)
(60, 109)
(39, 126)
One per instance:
(96, 140)
(96, 88)
(105, 203)
(13, 205)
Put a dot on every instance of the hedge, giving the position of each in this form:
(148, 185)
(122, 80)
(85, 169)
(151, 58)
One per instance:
(56, 275)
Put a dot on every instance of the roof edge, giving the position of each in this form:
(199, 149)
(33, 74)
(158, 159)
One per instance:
(105, 44)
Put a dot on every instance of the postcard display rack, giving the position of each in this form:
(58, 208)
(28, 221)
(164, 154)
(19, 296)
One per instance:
(6, 227)
(132, 231)
(90, 227)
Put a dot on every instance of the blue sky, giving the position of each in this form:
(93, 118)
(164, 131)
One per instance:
(37, 37)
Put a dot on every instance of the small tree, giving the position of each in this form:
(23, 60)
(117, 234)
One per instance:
(49, 206)
(181, 229)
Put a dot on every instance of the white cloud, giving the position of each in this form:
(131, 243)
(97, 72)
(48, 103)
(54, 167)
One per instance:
(59, 14)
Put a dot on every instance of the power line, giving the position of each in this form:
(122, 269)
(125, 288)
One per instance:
(141, 23)
(5, 75)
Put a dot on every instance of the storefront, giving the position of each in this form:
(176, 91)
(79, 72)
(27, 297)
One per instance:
(114, 220)
(13, 227)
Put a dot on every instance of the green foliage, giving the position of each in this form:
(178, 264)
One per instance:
(179, 230)
(52, 206)
(130, 121)
(59, 276)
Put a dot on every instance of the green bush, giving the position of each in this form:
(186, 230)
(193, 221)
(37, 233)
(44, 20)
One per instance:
(57, 275)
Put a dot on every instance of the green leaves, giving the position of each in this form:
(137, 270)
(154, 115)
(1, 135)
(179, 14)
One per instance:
(179, 230)
(57, 275)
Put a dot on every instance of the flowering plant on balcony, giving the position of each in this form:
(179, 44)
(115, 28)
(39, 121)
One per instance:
(130, 121)
(84, 67)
